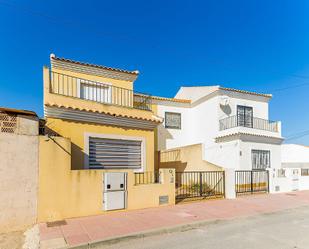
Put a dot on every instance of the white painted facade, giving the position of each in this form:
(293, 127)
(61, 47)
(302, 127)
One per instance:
(295, 156)
(229, 145)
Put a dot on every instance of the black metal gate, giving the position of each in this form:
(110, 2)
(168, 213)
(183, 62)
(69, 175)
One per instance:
(251, 181)
(201, 184)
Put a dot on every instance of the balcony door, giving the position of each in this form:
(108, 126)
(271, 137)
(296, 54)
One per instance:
(94, 91)
(245, 116)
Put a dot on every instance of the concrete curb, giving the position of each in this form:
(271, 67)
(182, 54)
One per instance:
(148, 233)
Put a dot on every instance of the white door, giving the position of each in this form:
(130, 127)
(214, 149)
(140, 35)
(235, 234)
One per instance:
(94, 91)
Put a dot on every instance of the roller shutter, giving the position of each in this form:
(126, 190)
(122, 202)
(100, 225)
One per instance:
(114, 153)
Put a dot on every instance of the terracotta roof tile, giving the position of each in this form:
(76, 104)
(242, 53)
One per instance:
(154, 118)
(243, 91)
(52, 56)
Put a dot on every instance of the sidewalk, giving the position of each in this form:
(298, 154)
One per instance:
(95, 228)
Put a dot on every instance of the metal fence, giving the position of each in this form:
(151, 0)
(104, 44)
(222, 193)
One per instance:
(97, 91)
(251, 181)
(255, 123)
(149, 177)
(202, 184)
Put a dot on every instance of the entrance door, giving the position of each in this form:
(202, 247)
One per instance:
(245, 116)
(251, 181)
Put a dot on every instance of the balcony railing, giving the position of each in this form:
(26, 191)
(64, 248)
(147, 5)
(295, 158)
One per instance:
(104, 93)
(255, 123)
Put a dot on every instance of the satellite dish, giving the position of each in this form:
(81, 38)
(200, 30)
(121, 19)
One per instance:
(224, 100)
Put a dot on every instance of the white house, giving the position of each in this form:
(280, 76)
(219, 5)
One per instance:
(232, 125)
(295, 156)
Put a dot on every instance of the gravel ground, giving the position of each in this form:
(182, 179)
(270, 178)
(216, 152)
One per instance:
(12, 240)
(28, 239)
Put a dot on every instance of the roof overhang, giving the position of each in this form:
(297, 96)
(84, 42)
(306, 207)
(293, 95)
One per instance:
(99, 118)
(17, 111)
(86, 68)
(248, 137)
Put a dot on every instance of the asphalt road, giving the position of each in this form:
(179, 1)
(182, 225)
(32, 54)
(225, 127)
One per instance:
(282, 230)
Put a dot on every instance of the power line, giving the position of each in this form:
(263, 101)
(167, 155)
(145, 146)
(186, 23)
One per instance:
(290, 87)
(297, 135)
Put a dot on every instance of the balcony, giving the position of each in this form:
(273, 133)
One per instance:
(98, 92)
(254, 123)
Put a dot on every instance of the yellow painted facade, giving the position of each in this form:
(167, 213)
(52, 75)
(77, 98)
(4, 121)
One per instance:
(60, 90)
(186, 159)
(65, 193)
(66, 187)
(76, 131)
(73, 102)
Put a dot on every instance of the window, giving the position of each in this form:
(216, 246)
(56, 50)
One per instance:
(109, 153)
(173, 120)
(260, 159)
(281, 173)
(245, 116)
(98, 92)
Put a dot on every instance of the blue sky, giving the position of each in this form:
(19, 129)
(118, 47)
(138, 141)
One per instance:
(253, 45)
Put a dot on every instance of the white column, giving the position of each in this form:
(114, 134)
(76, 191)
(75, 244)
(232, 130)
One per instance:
(230, 192)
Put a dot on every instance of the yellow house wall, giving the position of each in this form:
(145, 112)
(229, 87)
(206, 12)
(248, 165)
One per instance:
(73, 102)
(96, 78)
(187, 158)
(65, 193)
(76, 132)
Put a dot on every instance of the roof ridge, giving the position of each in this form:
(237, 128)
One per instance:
(245, 91)
(54, 57)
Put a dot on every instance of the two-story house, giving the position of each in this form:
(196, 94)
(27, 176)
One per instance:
(231, 126)
(110, 126)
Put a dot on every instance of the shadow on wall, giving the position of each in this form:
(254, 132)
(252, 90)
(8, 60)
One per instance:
(163, 135)
(78, 157)
(187, 158)
(77, 154)
(226, 109)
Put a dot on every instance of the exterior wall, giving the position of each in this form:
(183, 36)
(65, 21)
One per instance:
(72, 102)
(77, 131)
(292, 181)
(200, 124)
(171, 138)
(19, 175)
(245, 162)
(66, 193)
(225, 154)
(187, 158)
(92, 77)
(295, 156)
(259, 105)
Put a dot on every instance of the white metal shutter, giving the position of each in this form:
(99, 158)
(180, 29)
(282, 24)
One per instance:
(114, 153)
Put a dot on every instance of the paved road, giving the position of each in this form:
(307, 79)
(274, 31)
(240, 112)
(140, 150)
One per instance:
(282, 230)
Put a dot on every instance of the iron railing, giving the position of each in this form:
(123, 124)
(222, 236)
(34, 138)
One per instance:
(148, 177)
(97, 91)
(255, 123)
(199, 184)
(251, 181)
